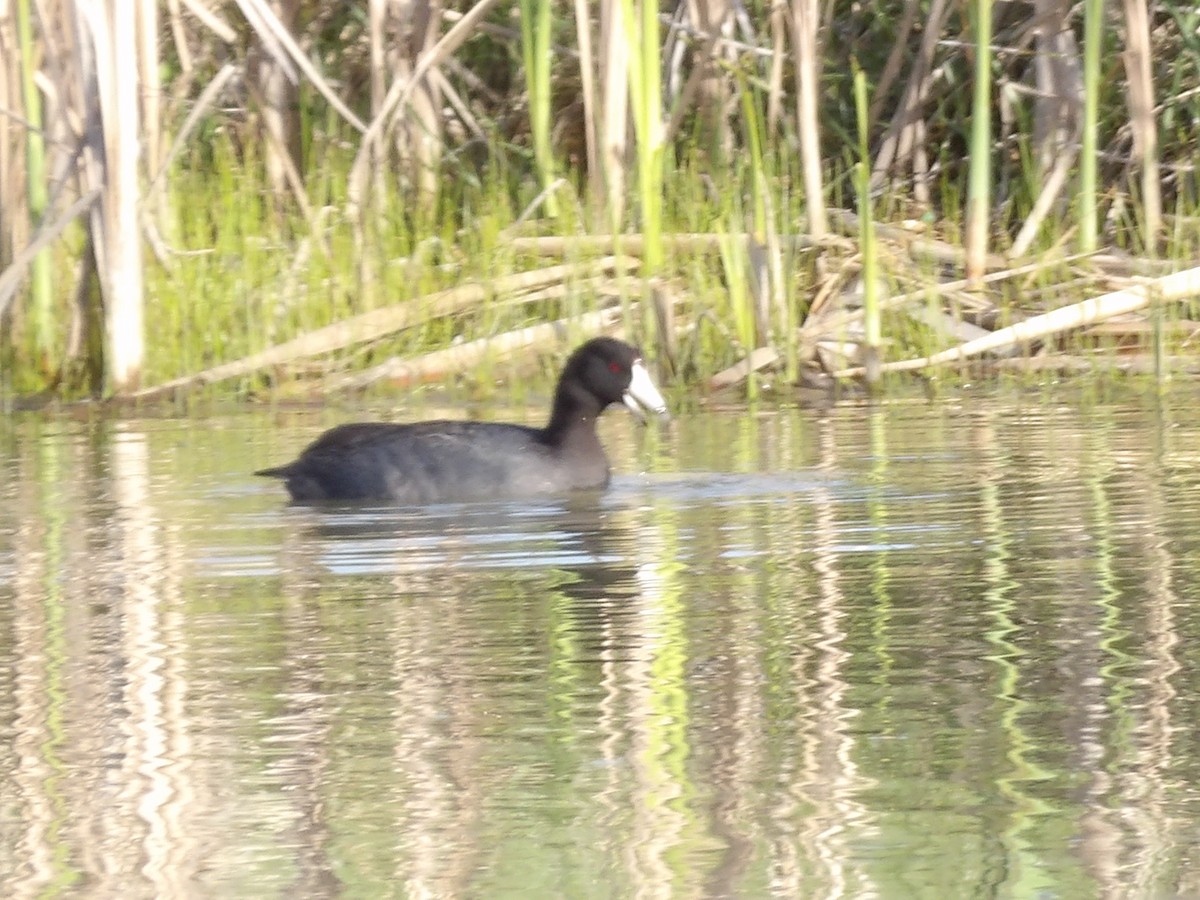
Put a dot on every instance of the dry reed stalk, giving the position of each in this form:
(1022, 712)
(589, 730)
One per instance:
(275, 88)
(713, 19)
(1141, 364)
(199, 109)
(758, 359)
(816, 329)
(276, 39)
(1179, 286)
(212, 21)
(1058, 84)
(376, 39)
(1057, 113)
(806, 21)
(149, 82)
(439, 365)
(459, 105)
(183, 52)
(778, 26)
(587, 83)
(614, 129)
(125, 301)
(399, 94)
(900, 141)
(1052, 186)
(1140, 81)
(900, 49)
(634, 244)
(107, 67)
(418, 135)
(916, 247)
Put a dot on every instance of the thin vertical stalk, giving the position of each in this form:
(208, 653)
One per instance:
(645, 82)
(771, 310)
(277, 99)
(1093, 37)
(645, 78)
(587, 80)
(615, 60)
(1140, 79)
(806, 20)
(41, 286)
(111, 28)
(376, 53)
(979, 183)
(735, 261)
(872, 330)
(760, 282)
(775, 92)
(535, 50)
(148, 75)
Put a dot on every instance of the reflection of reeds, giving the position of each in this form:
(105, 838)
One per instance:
(1148, 815)
(440, 791)
(741, 699)
(829, 778)
(1001, 594)
(106, 774)
(39, 690)
(156, 771)
(663, 820)
(817, 819)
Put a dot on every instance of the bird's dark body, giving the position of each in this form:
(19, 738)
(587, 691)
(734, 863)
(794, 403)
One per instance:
(438, 461)
(448, 461)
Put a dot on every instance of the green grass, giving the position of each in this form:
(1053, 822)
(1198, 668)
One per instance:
(245, 276)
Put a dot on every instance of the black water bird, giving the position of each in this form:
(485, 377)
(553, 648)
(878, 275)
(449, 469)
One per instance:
(447, 461)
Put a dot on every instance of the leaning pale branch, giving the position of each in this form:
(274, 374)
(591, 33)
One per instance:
(282, 47)
(1180, 286)
(400, 91)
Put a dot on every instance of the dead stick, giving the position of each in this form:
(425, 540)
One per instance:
(828, 326)
(440, 364)
(1179, 286)
(557, 245)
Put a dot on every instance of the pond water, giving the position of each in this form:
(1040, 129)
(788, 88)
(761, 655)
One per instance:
(908, 650)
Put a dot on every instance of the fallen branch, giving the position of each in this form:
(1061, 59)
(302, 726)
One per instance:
(560, 245)
(833, 324)
(381, 322)
(915, 245)
(1141, 364)
(442, 364)
(759, 358)
(1179, 286)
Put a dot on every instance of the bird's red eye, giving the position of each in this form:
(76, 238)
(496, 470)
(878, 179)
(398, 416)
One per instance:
(614, 367)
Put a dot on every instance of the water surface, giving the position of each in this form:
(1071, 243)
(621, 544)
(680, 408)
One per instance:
(913, 650)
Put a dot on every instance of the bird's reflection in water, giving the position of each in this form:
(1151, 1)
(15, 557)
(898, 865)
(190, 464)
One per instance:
(584, 544)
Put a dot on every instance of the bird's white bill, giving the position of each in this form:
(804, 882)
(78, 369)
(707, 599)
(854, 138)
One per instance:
(642, 393)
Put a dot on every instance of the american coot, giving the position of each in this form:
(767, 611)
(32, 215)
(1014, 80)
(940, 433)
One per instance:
(429, 462)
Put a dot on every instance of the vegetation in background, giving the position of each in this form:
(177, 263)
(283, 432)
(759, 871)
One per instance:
(316, 182)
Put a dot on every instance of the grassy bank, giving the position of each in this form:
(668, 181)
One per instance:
(415, 229)
(238, 276)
